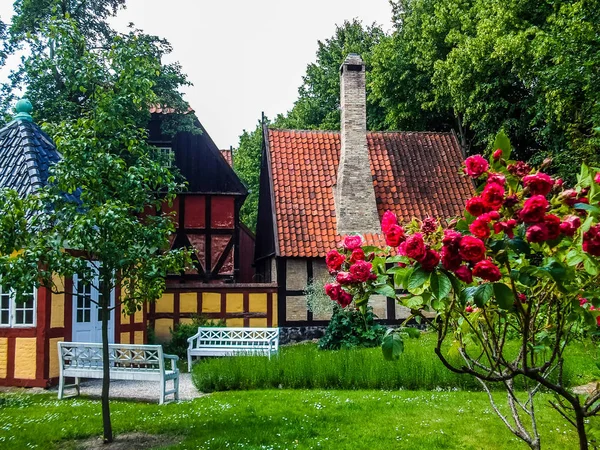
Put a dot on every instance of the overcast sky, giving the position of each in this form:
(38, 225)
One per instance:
(243, 56)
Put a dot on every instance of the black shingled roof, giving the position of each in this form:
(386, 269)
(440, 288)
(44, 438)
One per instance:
(26, 154)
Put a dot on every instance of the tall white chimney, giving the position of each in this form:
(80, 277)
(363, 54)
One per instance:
(355, 205)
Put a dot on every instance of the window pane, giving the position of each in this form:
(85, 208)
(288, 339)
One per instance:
(4, 302)
(79, 316)
(4, 317)
(19, 317)
(29, 317)
(86, 315)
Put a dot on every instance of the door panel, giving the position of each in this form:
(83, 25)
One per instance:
(87, 316)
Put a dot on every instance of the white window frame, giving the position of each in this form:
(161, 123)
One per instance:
(13, 307)
(168, 154)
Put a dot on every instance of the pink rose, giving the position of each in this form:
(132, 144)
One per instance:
(519, 169)
(487, 270)
(552, 223)
(345, 278)
(497, 178)
(414, 247)
(357, 255)
(344, 298)
(480, 227)
(537, 233)
(361, 271)
(388, 219)
(451, 238)
(476, 165)
(497, 154)
(464, 274)
(451, 259)
(591, 241)
(430, 261)
(493, 196)
(534, 209)
(429, 225)
(538, 184)
(352, 242)
(597, 178)
(570, 225)
(333, 290)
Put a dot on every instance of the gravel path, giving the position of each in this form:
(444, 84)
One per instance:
(139, 390)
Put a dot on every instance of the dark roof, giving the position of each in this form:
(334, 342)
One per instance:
(414, 175)
(228, 156)
(26, 154)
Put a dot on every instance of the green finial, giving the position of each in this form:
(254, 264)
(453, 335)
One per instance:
(23, 109)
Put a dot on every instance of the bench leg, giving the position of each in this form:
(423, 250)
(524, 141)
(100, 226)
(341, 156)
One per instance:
(176, 383)
(77, 386)
(61, 387)
(162, 391)
(189, 362)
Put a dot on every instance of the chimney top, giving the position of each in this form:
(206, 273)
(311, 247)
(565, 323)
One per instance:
(353, 63)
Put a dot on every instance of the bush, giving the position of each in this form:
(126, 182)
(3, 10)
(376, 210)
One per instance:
(183, 331)
(348, 328)
(304, 366)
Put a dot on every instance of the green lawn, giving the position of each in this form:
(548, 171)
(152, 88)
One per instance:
(305, 367)
(282, 419)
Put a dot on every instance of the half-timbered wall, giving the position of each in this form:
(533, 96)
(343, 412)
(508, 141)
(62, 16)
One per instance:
(239, 305)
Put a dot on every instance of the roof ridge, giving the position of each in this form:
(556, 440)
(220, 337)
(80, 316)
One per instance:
(27, 130)
(368, 131)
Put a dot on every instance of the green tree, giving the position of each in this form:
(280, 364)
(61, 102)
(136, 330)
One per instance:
(318, 104)
(54, 86)
(246, 162)
(98, 195)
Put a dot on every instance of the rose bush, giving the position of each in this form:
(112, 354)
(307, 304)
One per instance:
(518, 262)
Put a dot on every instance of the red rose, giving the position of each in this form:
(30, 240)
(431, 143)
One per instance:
(414, 247)
(430, 261)
(472, 249)
(394, 236)
(497, 154)
(344, 298)
(476, 206)
(469, 309)
(357, 255)
(538, 184)
(451, 260)
(570, 225)
(552, 223)
(464, 274)
(582, 301)
(569, 197)
(537, 233)
(476, 165)
(497, 178)
(451, 238)
(558, 182)
(361, 270)
(429, 225)
(493, 195)
(534, 209)
(333, 290)
(334, 260)
(352, 242)
(519, 169)
(507, 227)
(388, 219)
(591, 241)
(487, 270)
(597, 178)
(522, 298)
(511, 201)
(345, 278)
(480, 227)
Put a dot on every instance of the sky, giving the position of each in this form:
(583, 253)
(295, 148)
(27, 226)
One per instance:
(243, 56)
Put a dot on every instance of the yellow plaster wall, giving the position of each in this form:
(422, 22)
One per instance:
(185, 320)
(235, 303)
(165, 304)
(138, 317)
(124, 338)
(211, 302)
(57, 309)
(258, 303)
(138, 337)
(235, 323)
(53, 369)
(258, 323)
(162, 329)
(25, 361)
(3, 357)
(188, 302)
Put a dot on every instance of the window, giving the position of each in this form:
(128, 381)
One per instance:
(166, 156)
(17, 315)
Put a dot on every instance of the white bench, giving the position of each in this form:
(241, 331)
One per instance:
(127, 362)
(225, 341)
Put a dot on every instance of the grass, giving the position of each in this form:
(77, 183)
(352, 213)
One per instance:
(305, 367)
(281, 419)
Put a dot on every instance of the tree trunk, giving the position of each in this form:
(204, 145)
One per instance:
(580, 422)
(104, 304)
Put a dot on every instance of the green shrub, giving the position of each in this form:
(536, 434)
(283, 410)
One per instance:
(349, 328)
(304, 366)
(183, 331)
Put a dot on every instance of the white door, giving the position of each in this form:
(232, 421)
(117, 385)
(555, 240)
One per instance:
(87, 316)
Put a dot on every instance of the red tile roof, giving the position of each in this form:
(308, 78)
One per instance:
(228, 156)
(414, 175)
